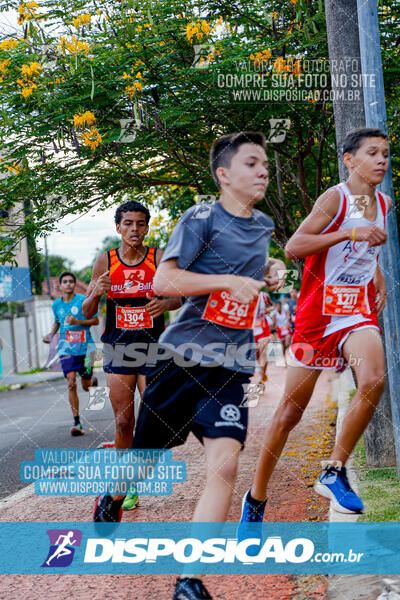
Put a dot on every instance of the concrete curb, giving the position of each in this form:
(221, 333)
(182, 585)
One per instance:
(27, 491)
(355, 587)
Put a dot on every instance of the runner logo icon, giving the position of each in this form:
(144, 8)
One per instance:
(61, 551)
(231, 417)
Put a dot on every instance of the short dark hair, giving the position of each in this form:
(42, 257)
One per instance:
(225, 147)
(133, 206)
(65, 274)
(354, 139)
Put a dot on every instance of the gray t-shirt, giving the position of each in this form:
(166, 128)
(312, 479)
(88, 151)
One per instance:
(208, 239)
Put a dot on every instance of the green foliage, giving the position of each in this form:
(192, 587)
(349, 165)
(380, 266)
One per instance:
(133, 63)
(379, 488)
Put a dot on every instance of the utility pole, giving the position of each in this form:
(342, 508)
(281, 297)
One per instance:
(343, 44)
(375, 116)
(345, 60)
(46, 266)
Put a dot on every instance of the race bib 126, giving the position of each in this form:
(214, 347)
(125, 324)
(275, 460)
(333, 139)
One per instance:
(224, 309)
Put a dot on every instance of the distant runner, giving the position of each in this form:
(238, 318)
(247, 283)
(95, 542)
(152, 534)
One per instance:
(262, 334)
(281, 320)
(76, 345)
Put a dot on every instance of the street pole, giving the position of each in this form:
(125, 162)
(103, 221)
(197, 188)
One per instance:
(46, 265)
(375, 115)
(343, 44)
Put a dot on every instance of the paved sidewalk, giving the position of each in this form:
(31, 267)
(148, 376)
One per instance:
(40, 377)
(291, 499)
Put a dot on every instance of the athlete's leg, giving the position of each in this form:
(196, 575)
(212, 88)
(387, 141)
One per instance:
(86, 383)
(365, 348)
(287, 341)
(122, 390)
(299, 386)
(72, 393)
(141, 384)
(222, 455)
(263, 360)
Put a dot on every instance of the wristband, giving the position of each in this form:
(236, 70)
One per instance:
(353, 234)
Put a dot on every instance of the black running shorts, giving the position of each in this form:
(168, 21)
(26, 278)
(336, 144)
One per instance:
(177, 400)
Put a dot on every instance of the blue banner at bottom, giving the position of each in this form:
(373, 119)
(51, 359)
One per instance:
(161, 548)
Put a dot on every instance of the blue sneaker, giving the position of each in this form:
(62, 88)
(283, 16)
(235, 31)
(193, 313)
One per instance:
(250, 525)
(334, 485)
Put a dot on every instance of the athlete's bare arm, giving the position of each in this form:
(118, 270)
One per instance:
(100, 283)
(381, 292)
(170, 280)
(86, 322)
(307, 239)
(54, 329)
(158, 306)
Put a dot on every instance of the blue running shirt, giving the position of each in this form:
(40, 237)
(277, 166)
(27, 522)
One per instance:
(74, 339)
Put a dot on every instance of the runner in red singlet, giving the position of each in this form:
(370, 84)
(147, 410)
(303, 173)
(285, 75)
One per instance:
(281, 319)
(262, 334)
(135, 318)
(342, 293)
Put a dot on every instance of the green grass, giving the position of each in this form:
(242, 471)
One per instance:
(4, 388)
(32, 371)
(379, 489)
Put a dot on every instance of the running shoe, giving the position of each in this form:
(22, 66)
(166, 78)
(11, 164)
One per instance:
(250, 525)
(190, 588)
(106, 445)
(131, 501)
(107, 510)
(77, 430)
(334, 485)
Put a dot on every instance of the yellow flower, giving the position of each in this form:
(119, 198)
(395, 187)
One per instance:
(34, 68)
(3, 66)
(262, 56)
(82, 20)
(26, 12)
(136, 86)
(92, 138)
(197, 29)
(280, 65)
(297, 67)
(74, 46)
(86, 119)
(8, 44)
(26, 92)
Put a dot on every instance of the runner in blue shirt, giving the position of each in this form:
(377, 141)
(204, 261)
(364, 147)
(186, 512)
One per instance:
(75, 341)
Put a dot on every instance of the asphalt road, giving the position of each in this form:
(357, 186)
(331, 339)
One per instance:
(40, 417)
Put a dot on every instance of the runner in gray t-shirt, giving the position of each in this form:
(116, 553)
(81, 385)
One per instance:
(216, 259)
(209, 239)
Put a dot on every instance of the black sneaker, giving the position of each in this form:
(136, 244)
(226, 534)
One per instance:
(107, 510)
(190, 588)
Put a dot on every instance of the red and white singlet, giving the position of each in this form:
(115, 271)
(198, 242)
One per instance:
(337, 289)
(261, 328)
